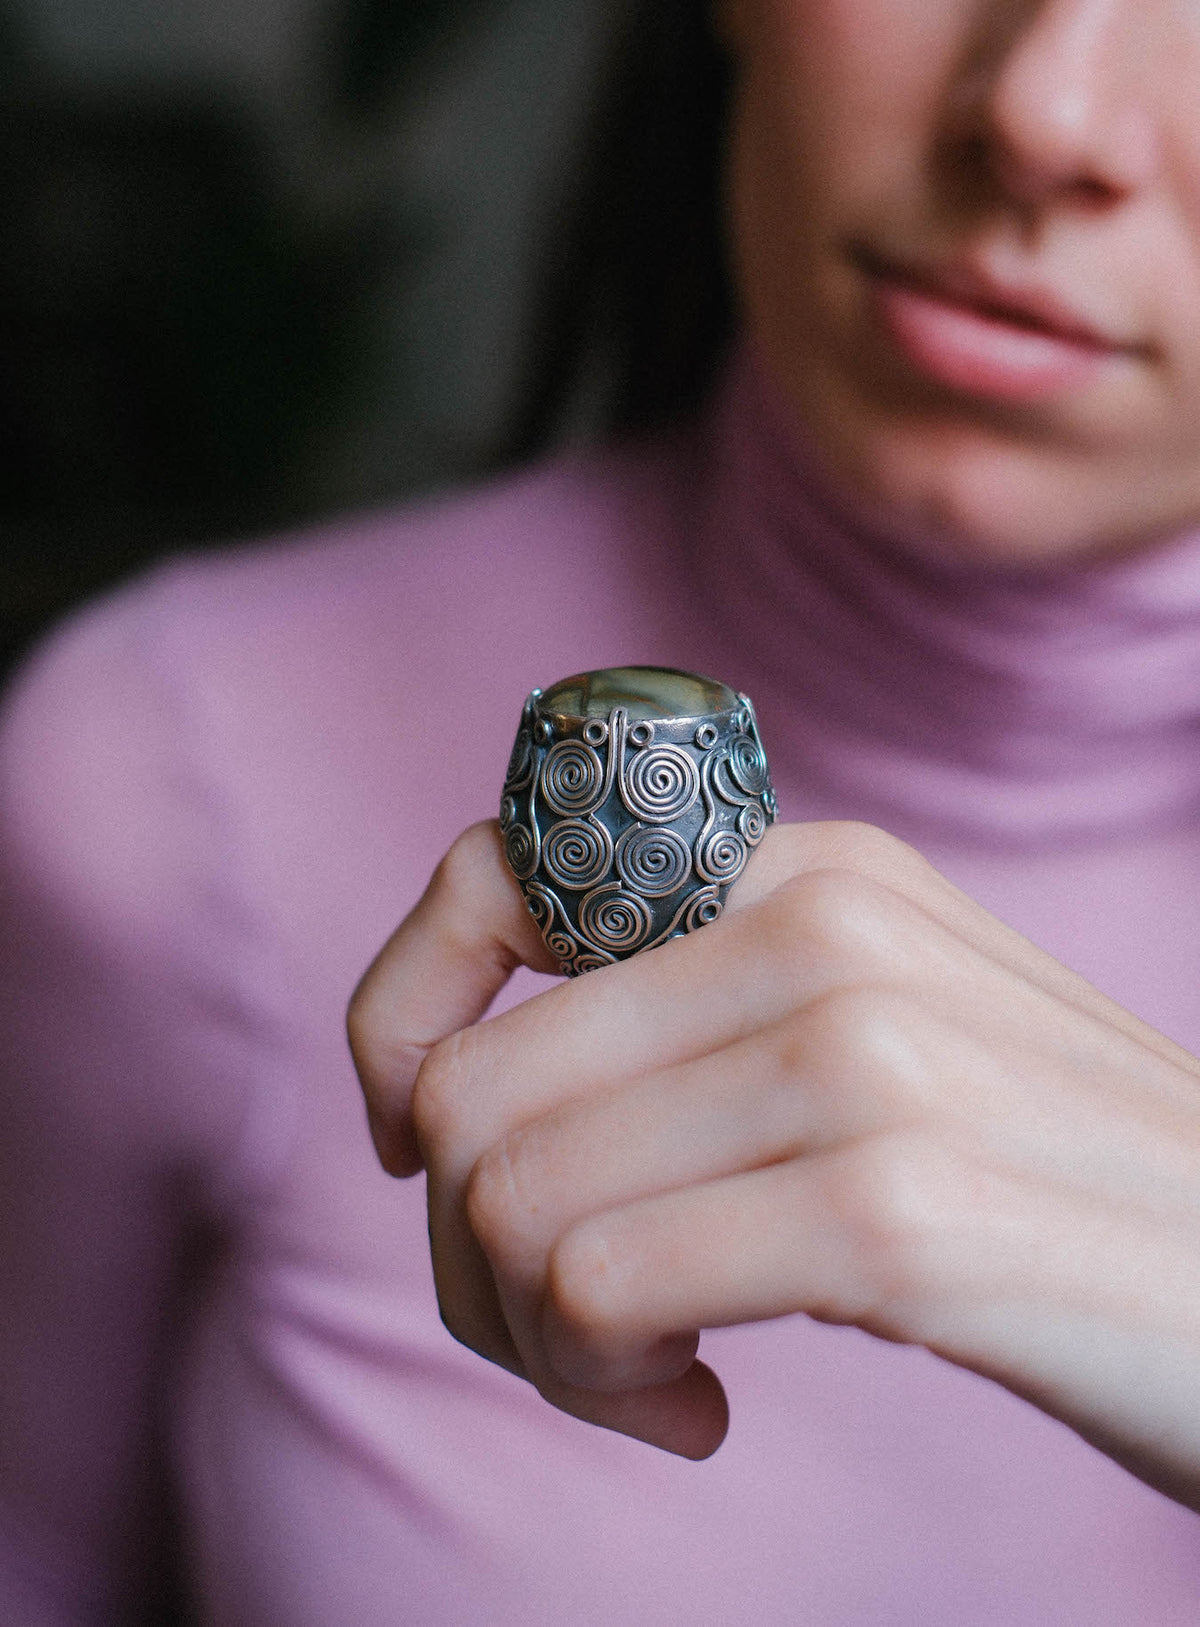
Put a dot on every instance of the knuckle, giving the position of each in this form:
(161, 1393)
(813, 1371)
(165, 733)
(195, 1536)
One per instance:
(871, 851)
(386, 1066)
(870, 1035)
(497, 1211)
(441, 1094)
(468, 1330)
(358, 1021)
(583, 1287)
(836, 911)
(488, 1199)
(459, 867)
(369, 1048)
(901, 1200)
(865, 847)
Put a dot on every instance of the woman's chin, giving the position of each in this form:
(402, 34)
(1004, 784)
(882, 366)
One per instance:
(971, 498)
(989, 509)
(1025, 487)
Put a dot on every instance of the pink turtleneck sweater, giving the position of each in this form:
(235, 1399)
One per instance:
(221, 788)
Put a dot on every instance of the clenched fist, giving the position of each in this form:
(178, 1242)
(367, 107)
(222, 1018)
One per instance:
(857, 1095)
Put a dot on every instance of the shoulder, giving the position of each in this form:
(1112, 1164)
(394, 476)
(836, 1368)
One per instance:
(134, 972)
(89, 745)
(533, 542)
(329, 664)
(235, 720)
(222, 784)
(103, 700)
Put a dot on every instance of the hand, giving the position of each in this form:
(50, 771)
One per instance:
(857, 1095)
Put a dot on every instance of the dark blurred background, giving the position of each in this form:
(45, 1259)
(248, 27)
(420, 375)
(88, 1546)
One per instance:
(260, 261)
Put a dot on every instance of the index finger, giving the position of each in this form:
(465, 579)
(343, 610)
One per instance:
(442, 967)
(438, 972)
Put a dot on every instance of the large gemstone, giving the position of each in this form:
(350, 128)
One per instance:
(645, 692)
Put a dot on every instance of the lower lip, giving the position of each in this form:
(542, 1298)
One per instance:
(976, 354)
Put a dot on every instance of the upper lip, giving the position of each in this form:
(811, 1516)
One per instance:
(966, 282)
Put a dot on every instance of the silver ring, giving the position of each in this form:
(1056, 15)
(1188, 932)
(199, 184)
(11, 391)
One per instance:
(633, 798)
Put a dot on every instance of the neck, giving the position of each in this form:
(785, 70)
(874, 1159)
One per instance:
(1031, 705)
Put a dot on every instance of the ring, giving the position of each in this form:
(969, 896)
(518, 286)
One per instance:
(634, 797)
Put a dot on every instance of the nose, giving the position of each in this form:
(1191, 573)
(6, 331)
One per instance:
(1063, 101)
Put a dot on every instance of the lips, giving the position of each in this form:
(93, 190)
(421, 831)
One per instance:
(972, 333)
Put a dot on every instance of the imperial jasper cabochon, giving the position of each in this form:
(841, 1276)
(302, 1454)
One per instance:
(633, 798)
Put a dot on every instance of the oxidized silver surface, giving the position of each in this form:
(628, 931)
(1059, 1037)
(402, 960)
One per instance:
(625, 821)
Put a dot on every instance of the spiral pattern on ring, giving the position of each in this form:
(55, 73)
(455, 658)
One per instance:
(752, 823)
(520, 849)
(703, 910)
(652, 861)
(560, 945)
(572, 777)
(614, 919)
(518, 763)
(721, 857)
(748, 765)
(540, 907)
(577, 853)
(660, 784)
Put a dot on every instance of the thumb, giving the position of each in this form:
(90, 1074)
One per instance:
(438, 972)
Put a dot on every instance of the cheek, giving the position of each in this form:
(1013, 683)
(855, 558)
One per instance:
(836, 108)
(838, 132)
(1181, 181)
(819, 72)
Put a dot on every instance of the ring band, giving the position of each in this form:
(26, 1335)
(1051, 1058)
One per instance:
(633, 798)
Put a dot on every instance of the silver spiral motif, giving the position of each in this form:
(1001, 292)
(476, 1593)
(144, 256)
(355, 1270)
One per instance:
(614, 919)
(653, 861)
(660, 784)
(627, 832)
(572, 777)
(577, 853)
(521, 851)
(721, 857)
(752, 824)
(541, 907)
(517, 772)
(703, 910)
(748, 765)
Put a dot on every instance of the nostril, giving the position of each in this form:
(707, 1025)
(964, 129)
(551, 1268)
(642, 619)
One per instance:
(1054, 107)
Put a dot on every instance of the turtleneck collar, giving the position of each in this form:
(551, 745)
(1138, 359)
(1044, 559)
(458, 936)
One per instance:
(992, 704)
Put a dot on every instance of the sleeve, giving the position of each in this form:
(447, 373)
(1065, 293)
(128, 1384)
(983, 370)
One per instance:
(130, 1046)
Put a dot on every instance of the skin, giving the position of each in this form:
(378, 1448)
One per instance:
(858, 1095)
(1056, 140)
